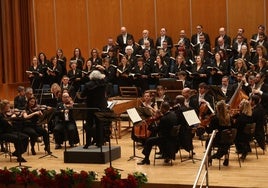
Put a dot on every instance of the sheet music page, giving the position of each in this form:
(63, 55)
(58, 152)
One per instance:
(191, 117)
(133, 114)
(111, 104)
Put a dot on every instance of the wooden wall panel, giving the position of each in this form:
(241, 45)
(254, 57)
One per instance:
(174, 15)
(137, 16)
(266, 13)
(211, 14)
(45, 27)
(247, 14)
(103, 23)
(72, 26)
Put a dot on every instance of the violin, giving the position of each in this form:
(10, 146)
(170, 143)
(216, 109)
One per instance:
(13, 113)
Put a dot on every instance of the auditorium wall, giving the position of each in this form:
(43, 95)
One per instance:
(29, 27)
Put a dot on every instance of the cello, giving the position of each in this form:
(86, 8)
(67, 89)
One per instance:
(142, 130)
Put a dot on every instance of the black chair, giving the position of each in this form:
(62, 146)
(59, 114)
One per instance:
(227, 138)
(250, 131)
(174, 133)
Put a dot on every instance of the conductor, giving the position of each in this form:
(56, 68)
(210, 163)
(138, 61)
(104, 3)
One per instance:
(95, 93)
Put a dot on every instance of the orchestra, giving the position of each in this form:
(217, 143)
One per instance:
(228, 78)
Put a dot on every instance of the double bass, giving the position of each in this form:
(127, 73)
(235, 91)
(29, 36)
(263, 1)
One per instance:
(237, 97)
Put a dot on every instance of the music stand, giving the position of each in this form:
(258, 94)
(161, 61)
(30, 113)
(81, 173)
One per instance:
(135, 118)
(48, 154)
(106, 117)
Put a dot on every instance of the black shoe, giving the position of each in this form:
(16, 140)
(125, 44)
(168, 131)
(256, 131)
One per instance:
(167, 160)
(226, 162)
(58, 146)
(210, 161)
(71, 145)
(86, 146)
(21, 159)
(243, 157)
(33, 151)
(144, 161)
(15, 154)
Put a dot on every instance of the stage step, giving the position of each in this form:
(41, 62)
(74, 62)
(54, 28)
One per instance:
(91, 155)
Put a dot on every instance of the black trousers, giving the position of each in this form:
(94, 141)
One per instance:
(65, 130)
(20, 141)
(34, 131)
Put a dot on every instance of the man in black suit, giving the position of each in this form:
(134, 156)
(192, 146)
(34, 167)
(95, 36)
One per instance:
(202, 45)
(241, 79)
(221, 45)
(237, 45)
(163, 140)
(202, 96)
(182, 75)
(261, 42)
(226, 38)
(145, 37)
(195, 38)
(240, 32)
(163, 37)
(122, 39)
(95, 93)
(20, 100)
(255, 37)
(226, 88)
(261, 89)
(106, 48)
(196, 101)
(183, 39)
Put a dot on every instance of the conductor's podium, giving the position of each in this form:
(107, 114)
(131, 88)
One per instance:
(92, 155)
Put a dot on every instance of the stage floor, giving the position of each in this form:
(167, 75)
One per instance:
(253, 172)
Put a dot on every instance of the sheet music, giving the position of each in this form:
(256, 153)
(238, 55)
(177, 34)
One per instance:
(191, 117)
(111, 104)
(133, 114)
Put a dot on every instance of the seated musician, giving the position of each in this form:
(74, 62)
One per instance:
(200, 103)
(31, 128)
(185, 135)
(182, 75)
(160, 96)
(146, 110)
(9, 133)
(220, 121)
(164, 139)
(241, 80)
(65, 125)
(240, 121)
(20, 100)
